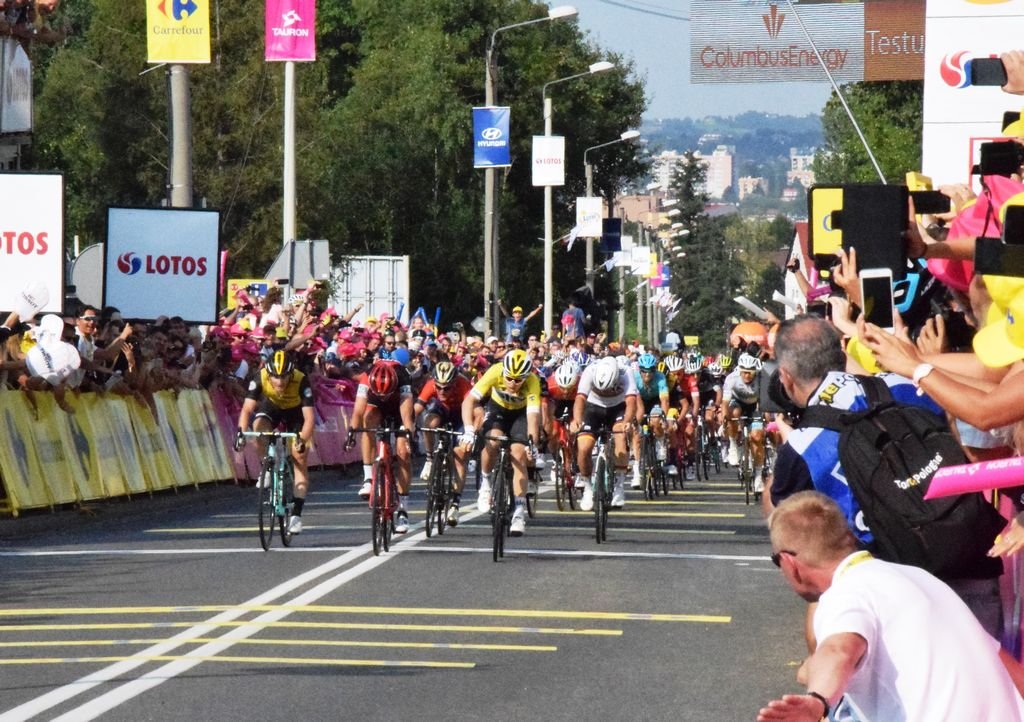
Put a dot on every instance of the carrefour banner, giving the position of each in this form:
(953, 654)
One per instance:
(32, 240)
(178, 31)
(291, 30)
(162, 262)
(958, 116)
(739, 41)
(490, 137)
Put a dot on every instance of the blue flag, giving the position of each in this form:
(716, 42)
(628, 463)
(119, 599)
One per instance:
(490, 137)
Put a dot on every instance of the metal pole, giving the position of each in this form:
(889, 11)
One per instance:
(640, 292)
(589, 269)
(288, 211)
(181, 137)
(622, 305)
(488, 205)
(549, 253)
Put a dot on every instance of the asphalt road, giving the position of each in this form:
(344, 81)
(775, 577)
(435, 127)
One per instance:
(166, 608)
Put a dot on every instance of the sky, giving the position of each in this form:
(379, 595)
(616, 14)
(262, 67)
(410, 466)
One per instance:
(656, 35)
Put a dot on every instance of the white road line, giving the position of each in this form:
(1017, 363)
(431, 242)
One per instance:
(596, 553)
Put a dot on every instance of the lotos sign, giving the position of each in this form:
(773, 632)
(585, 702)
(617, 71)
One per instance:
(162, 262)
(32, 238)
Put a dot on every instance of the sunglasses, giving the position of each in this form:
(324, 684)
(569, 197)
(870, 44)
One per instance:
(777, 556)
(93, 319)
(515, 382)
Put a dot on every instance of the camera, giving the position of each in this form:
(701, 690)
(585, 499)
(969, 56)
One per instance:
(999, 158)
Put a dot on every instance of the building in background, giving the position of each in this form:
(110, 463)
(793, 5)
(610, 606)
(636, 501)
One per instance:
(720, 170)
(749, 185)
(800, 162)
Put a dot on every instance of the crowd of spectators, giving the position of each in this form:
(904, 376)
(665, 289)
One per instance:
(29, 21)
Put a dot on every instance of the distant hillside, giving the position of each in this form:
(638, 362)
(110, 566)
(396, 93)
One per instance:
(760, 138)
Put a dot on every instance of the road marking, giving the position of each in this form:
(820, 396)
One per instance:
(257, 626)
(171, 552)
(241, 660)
(687, 492)
(592, 553)
(291, 642)
(675, 514)
(339, 609)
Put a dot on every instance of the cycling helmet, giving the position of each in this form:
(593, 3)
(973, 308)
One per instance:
(621, 361)
(692, 363)
(674, 364)
(579, 357)
(567, 375)
(280, 364)
(444, 373)
(647, 362)
(382, 378)
(715, 368)
(516, 365)
(748, 363)
(725, 360)
(661, 366)
(606, 376)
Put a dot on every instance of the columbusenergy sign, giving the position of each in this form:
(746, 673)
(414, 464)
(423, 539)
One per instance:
(743, 41)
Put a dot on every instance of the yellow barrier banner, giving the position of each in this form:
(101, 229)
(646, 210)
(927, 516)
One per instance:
(57, 459)
(170, 424)
(152, 448)
(115, 409)
(197, 438)
(106, 472)
(220, 460)
(19, 466)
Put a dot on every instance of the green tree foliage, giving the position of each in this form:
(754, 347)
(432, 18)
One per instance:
(384, 130)
(889, 113)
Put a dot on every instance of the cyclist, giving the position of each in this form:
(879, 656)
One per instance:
(440, 402)
(683, 395)
(281, 395)
(512, 392)
(710, 385)
(652, 392)
(741, 394)
(561, 394)
(384, 398)
(606, 399)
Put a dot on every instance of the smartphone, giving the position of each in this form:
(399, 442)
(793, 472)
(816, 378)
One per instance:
(1013, 224)
(999, 158)
(995, 258)
(986, 71)
(876, 298)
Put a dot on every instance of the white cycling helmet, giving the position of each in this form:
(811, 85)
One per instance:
(674, 364)
(748, 363)
(715, 368)
(693, 363)
(606, 376)
(567, 375)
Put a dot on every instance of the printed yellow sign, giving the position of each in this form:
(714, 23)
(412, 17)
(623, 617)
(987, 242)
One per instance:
(178, 31)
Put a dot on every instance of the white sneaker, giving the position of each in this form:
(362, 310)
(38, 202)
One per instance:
(453, 515)
(580, 484)
(531, 488)
(553, 474)
(539, 462)
(471, 469)
(260, 481)
(295, 525)
(518, 524)
(691, 473)
(758, 484)
(483, 497)
(402, 522)
(671, 470)
(587, 502)
(365, 489)
(662, 452)
(425, 473)
(734, 455)
(618, 495)
(635, 484)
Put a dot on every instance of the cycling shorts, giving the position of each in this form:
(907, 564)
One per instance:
(598, 418)
(559, 408)
(449, 417)
(755, 420)
(652, 407)
(509, 422)
(291, 419)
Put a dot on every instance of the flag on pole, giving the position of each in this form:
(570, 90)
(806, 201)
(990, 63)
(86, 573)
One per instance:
(178, 31)
(291, 30)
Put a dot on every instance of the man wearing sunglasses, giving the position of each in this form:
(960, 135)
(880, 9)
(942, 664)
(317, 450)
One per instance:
(94, 358)
(896, 641)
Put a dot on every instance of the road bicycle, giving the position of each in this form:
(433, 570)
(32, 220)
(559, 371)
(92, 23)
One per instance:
(604, 480)
(564, 460)
(709, 451)
(274, 484)
(652, 471)
(383, 489)
(441, 484)
(502, 500)
(745, 470)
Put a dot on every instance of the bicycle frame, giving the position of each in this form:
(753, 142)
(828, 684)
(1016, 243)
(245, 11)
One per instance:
(275, 474)
(384, 490)
(440, 486)
(501, 494)
(565, 482)
(604, 470)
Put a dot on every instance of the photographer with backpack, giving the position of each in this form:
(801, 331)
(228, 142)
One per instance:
(872, 444)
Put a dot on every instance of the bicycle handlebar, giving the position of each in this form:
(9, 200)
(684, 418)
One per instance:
(270, 434)
(448, 432)
(400, 431)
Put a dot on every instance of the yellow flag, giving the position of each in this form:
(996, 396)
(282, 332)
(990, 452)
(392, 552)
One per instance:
(178, 31)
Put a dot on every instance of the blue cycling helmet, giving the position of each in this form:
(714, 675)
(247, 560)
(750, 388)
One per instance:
(647, 362)
(580, 358)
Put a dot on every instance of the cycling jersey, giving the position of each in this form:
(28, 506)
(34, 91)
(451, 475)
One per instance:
(492, 385)
(655, 389)
(556, 392)
(451, 398)
(403, 389)
(736, 389)
(625, 386)
(296, 393)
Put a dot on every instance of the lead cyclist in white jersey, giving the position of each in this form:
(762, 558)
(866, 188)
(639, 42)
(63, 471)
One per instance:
(741, 394)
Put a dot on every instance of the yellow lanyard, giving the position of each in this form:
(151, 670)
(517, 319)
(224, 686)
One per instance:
(852, 561)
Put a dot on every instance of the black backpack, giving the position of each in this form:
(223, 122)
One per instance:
(889, 454)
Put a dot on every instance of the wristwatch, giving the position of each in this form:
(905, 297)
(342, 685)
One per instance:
(920, 372)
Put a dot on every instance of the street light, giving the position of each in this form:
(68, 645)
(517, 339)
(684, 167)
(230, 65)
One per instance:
(490, 74)
(665, 203)
(674, 212)
(588, 170)
(549, 253)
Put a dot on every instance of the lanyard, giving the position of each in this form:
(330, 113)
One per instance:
(852, 561)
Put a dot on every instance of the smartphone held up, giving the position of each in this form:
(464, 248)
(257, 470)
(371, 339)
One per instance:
(877, 298)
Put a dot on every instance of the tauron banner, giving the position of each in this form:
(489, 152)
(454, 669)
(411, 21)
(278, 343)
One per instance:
(178, 31)
(490, 137)
(291, 30)
(32, 239)
(738, 41)
(162, 262)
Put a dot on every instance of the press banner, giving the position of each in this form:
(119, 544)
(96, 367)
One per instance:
(291, 30)
(958, 117)
(548, 160)
(589, 211)
(32, 238)
(178, 31)
(491, 137)
(739, 41)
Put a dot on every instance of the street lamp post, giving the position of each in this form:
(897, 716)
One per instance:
(490, 245)
(588, 171)
(549, 260)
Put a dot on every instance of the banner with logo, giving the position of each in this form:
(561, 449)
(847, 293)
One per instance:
(589, 211)
(548, 160)
(958, 117)
(738, 41)
(291, 30)
(490, 137)
(15, 88)
(162, 262)
(32, 238)
(178, 31)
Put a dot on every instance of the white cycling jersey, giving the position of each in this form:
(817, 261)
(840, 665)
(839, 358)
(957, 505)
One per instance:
(625, 386)
(744, 393)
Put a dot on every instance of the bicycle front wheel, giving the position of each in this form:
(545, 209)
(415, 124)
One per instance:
(377, 509)
(559, 478)
(499, 509)
(266, 510)
(433, 500)
(284, 516)
(599, 500)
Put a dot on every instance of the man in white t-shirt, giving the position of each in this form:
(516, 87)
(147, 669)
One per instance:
(896, 641)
